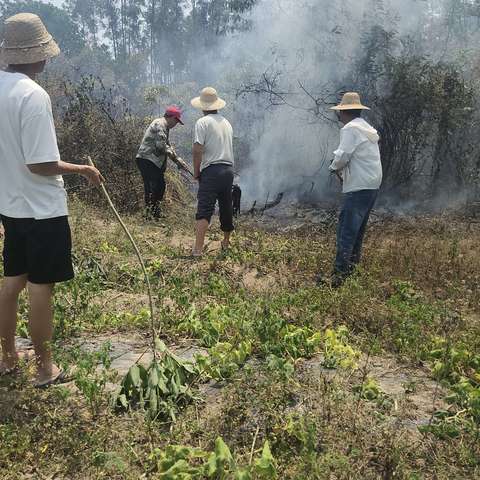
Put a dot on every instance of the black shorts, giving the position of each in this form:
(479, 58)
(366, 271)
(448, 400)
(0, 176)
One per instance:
(41, 249)
(216, 183)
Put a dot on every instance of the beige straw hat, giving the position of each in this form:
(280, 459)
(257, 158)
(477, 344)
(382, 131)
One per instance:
(208, 100)
(26, 40)
(350, 101)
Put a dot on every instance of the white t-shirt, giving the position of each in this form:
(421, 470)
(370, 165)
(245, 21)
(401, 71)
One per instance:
(27, 137)
(357, 158)
(215, 133)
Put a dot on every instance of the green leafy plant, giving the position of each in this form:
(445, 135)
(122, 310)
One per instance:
(161, 389)
(411, 317)
(369, 389)
(223, 359)
(451, 362)
(207, 325)
(281, 338)
(302, 431)
(282, 367)
(458, 368)
(187, 463)
(264, 466)
(336, 350)
(91, 375)
(443, 425)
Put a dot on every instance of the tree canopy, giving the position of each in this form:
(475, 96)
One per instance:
(159, 37)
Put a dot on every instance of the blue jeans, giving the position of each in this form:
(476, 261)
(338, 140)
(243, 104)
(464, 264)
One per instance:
(351, 228)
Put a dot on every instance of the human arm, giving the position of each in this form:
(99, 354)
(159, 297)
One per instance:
(180, 163)
(197, 159)
(349, 141)
(160, 138)
(49, 169)
(177, 160)
(198, 147)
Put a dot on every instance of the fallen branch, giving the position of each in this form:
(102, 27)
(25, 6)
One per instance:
(254, 210)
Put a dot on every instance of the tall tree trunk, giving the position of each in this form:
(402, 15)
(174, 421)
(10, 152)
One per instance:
(123, 17)
(152, 41)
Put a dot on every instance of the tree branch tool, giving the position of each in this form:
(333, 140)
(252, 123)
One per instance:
(148, 387)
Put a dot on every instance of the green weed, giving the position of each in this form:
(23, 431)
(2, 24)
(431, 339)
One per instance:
(180, 462)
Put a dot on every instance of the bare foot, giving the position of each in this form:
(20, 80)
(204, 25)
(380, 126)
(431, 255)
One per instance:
(10, 364)
(225, 245)
(8, 368)
(47, 375)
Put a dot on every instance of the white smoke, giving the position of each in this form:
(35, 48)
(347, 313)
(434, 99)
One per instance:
(302, 50)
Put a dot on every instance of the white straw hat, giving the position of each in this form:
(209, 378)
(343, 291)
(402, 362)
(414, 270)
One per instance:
(350, 101)
(208, 100)
(26, 40)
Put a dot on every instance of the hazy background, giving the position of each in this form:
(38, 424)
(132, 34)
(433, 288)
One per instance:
(281, 65)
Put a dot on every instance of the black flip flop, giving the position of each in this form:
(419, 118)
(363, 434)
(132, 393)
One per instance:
(61, 378)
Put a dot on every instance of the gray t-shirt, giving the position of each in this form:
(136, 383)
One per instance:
(215, 133)
(155, 142)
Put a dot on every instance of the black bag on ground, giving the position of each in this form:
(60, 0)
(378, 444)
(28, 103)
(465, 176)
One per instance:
(236, 199)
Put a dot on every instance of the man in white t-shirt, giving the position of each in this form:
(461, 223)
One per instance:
(33, 201)
(213, 167)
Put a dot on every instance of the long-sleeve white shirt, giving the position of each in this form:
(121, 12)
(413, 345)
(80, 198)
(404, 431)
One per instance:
(357, 158)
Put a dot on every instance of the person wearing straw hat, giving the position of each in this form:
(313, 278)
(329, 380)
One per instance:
(213, 167)
(33, 201)
(358, 164)
(152, 159)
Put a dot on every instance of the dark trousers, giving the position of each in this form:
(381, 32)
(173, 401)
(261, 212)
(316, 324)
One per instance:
(216, 183)
(154, 185)
(351, 229)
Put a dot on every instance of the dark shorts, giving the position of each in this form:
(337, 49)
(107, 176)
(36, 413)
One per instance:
(41, 249)
(216, 183)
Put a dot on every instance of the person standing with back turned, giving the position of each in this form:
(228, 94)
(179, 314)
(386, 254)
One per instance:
(33, 201)
(213, 167)
(357, 163)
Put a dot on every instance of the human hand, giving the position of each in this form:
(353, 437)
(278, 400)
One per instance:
(92, 175)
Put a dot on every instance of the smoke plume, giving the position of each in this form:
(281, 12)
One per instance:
(283, 74)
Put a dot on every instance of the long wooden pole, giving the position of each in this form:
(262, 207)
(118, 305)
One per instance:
(140, 259)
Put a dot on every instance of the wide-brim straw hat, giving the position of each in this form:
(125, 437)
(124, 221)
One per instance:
(350, 101)
(208, 100)
(26, 40)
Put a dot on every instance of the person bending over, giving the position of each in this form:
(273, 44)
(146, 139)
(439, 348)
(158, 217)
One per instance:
(152, 159)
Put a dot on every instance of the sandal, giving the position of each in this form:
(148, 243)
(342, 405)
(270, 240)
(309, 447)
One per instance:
(61, 378)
